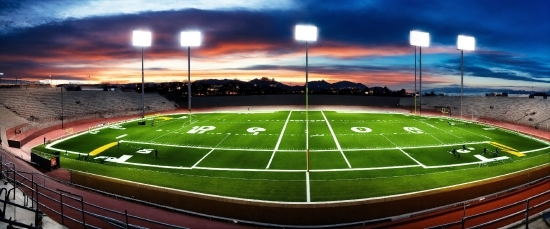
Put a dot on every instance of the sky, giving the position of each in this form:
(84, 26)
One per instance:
(360, 41)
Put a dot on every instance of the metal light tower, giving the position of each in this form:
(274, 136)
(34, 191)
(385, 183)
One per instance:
(62, 112)
(142, 39)
(306, 33)
(190, 38)
(419, 39)
(464, 43)
(415, 80)
(1, 74)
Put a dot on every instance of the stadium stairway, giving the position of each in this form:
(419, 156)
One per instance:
(21, 215)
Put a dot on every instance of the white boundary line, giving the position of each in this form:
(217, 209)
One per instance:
(535, 150)
(278, 141)
(335, 139)
(363, 169)
(249, 170)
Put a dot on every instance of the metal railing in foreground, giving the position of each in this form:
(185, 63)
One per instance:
(71, 208)
(529, 208)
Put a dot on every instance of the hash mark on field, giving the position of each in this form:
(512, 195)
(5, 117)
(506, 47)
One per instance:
(278, 141)
(335, 139)
(212, 150)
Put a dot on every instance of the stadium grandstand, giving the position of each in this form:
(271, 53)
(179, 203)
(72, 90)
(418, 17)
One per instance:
(525, 111)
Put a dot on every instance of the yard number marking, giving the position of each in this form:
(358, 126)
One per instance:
(413, 130)
(255, 130)
(361, 129)
(145, 151)
(117, 127)
(200, 129)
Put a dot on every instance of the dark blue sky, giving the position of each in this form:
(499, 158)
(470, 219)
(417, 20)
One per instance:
(360, 41)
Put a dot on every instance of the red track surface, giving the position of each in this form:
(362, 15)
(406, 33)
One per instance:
(166, 216)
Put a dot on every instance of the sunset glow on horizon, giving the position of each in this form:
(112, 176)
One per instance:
(363, 42)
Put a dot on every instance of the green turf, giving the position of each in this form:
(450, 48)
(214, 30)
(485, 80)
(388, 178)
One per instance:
(263, 155)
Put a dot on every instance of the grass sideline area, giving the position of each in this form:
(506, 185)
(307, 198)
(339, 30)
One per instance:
(263, 155)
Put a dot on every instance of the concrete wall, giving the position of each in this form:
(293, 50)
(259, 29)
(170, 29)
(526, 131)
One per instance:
(307, 213)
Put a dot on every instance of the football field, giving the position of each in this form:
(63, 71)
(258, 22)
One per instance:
(299, 156)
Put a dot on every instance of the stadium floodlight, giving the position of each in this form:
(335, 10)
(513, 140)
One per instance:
(142, 39)
(190, 38)
(418, 39)
(306, 33)
(469, 44)
(466, 43)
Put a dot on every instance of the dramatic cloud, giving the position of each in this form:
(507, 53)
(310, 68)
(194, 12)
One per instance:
(361, 41)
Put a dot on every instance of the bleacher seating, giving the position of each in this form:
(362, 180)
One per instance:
(525, 111)
(40, 107)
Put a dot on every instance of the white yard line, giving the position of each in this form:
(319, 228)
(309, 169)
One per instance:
(121, 136)
(307, 133)
(278, 141)
(418, 162)
(206, 155)
(335, 139)
(397, 147)
(480, 135)
(435, 138)
(447, 132)
(308, 195)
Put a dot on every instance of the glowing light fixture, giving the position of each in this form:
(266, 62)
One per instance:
(420, 39)
(190, 38)
(466, 43)
(142, 39)
(305, 33)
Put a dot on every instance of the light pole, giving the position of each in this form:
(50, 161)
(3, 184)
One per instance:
(306, 33)
(142, 39)
(190, 38)
(1, 74)
(419, 39)
(464, 43)
(62, 112)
